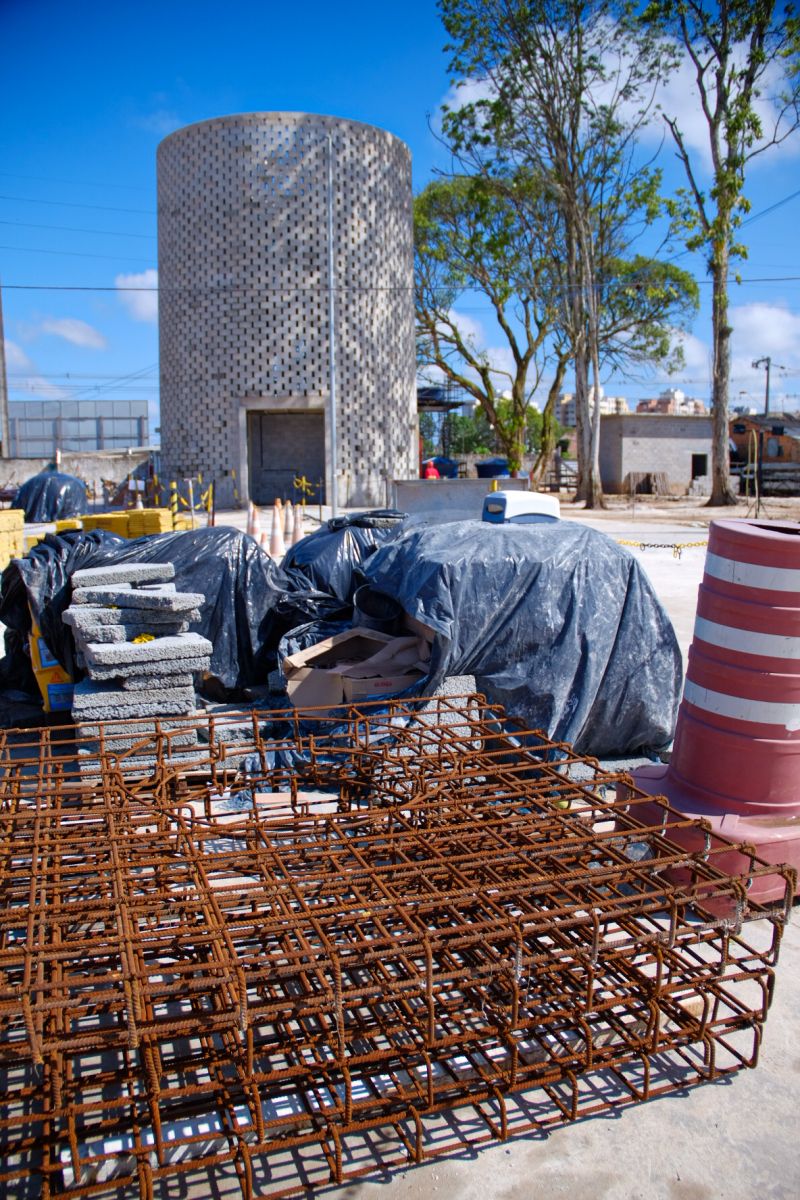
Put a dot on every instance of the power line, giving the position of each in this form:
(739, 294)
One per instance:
(150, 237)
(142, 212)
(128, 187)
(76, 254)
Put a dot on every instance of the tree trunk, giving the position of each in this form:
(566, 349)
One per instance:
(548, 442)
(721, 492)
(583, 432)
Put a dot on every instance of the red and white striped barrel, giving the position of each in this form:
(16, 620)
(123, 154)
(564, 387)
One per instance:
(738, 736)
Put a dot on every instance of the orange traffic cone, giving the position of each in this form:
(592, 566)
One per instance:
(256, 524)
(277, 546)
(264, 541)
(299, 531)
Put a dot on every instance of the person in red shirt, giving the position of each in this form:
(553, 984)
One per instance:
(430, 471)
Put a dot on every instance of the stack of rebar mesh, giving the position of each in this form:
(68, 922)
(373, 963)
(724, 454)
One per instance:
(131, 632)
(319, 954)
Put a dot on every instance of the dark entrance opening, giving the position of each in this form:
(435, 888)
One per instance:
(699, 465)
(282, 447)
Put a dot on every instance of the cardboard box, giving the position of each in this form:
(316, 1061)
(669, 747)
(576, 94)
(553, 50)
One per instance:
(379, 685)
(336, 671)
(418, 628)
(354, 645)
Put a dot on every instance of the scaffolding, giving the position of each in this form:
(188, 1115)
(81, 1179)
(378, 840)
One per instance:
(302, 951)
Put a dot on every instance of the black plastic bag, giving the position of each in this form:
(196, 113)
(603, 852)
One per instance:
(330, 559)
(556, 622)
(51, 496)
(249, 603)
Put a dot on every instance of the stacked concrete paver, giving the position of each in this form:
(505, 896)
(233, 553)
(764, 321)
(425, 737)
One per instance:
(131, 632)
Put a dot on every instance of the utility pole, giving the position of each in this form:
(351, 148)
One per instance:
(767, 362)
(5, 436)
(332, 442)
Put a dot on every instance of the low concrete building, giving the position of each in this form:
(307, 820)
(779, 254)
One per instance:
(38, 428)
(638, 444)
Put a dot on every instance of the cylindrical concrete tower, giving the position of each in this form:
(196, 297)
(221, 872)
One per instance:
(243, 313)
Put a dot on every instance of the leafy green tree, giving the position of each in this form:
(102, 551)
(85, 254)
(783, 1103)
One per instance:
(744, 58)
(566, 90)
(428, 432)
(470, 240)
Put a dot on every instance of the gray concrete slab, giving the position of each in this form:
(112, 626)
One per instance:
(182, 646)
(141, 683)
(159, 598)
(177, 666)
(84, 615)
(123, 573)
(95, 702)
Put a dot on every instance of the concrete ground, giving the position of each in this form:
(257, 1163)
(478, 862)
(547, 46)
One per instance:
(732, 1140)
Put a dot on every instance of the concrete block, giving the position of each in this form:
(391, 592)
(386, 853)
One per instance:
(122, 736)
(135, 730)
(96, 634)
(86, 614)
(123, 573)
(140, 683)
(184, 645)
(139, 764)
(177, 666)
(162, 597)
(95, 702)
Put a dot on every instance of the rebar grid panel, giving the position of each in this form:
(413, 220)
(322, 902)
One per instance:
(322, 953)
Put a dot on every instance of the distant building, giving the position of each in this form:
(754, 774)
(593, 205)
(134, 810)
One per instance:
(777, 433)
(609, 406)
(674, 403)
(38, 428)
(633, 445)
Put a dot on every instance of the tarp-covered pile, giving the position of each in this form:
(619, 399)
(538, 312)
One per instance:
(249, 601)
(331, 559)
(556, 622)
(51, 496)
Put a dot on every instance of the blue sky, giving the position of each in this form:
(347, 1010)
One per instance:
(89, 89)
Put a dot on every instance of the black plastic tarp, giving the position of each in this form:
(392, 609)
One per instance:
(51, 496)
(556, 622)
(330, 558)
(249, 602)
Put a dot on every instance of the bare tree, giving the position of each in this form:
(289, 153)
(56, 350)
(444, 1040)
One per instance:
(744, 56)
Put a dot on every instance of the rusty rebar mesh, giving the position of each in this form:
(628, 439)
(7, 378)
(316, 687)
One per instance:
(308, 956)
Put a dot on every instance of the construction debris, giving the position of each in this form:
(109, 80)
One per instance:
(304, 961)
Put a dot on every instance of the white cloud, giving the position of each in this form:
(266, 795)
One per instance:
(72, 330)
(23, 376)
(141, 296)
(160, 122)
(696, 357)
(761, 330)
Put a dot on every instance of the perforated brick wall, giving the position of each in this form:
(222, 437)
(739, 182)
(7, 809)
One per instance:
(243, 306)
